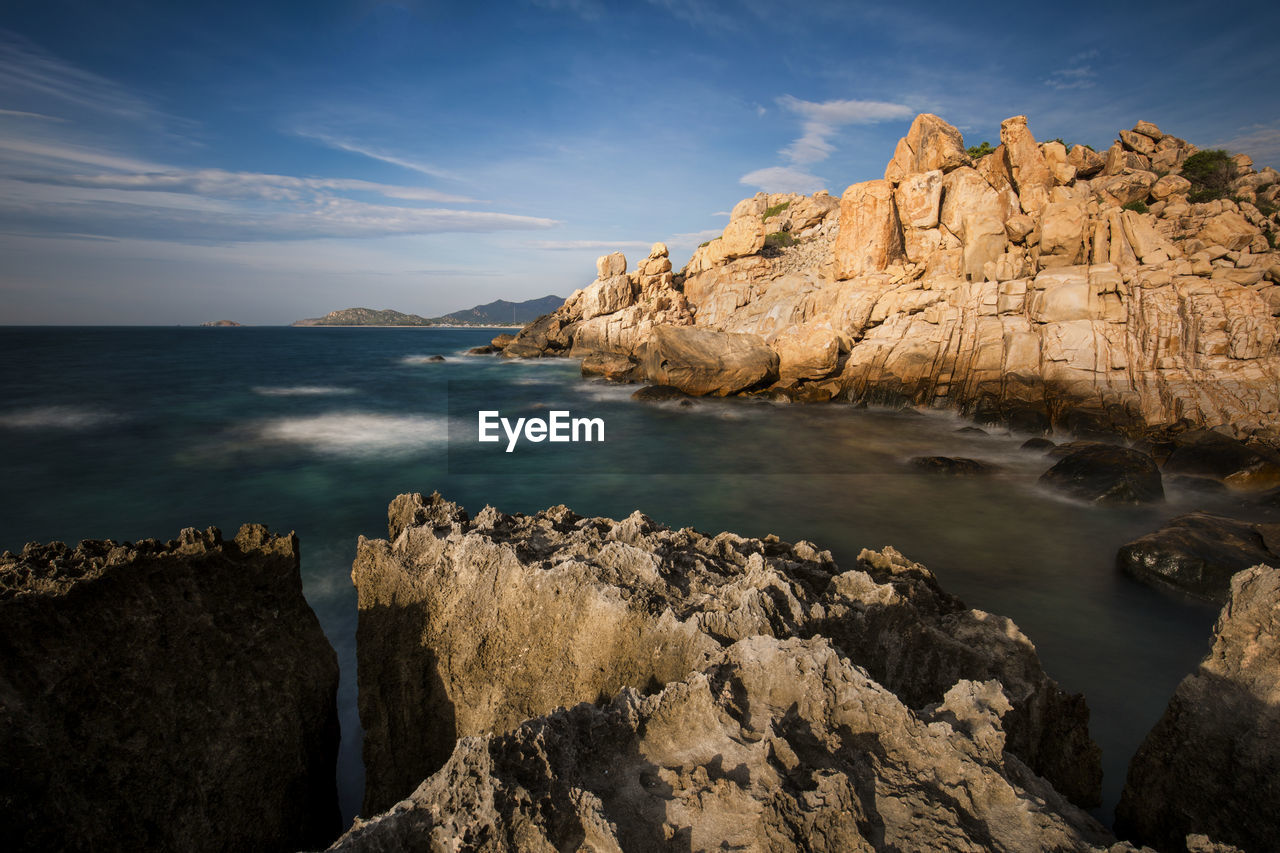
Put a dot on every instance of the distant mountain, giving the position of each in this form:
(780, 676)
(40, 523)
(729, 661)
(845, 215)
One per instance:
(499, 313)
(220, 323)
(366, 317)
(504, 313)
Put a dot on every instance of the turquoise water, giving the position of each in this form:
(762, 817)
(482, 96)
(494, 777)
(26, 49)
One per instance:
(127, 433)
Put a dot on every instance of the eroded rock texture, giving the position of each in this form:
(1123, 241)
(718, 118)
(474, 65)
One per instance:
(470, 626)
(1209, 766)
(155, 696)
(772, 745)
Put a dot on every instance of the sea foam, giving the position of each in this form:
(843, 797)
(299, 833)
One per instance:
(301, 390)
(57, 417)
(356, 433)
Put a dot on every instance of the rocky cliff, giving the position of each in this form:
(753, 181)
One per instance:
(470, 626)
(770, 745)
(1036, 285)
(165, 696)
(1209, 765)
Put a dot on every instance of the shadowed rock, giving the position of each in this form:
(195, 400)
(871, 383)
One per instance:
(173, 696)
(1198, 553)
(952, 466)
(1105, 473)
(771, 745)
(1209, 765)
(471, 626)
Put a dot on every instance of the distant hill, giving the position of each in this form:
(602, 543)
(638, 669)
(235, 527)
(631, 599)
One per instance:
(499, 313)
(366, 317)
(504, 313)
(220, 323)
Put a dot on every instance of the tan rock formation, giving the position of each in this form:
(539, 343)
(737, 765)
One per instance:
(870, 229)
(930, 144)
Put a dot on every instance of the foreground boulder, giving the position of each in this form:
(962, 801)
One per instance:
(1104, 473)
(468, 627)
(771, 745)
(705, 362)
(1198, 553)
(1209, 765)
(175, 696)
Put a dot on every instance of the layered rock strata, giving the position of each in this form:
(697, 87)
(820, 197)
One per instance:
(470, 626)
(770, 745)
(1030, 285)
(1209, 765)
(165, 696)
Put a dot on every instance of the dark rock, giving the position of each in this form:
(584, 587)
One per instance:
(1038, 443)
(659, 393)
(484, 350)
(614, 367)
(972, 430)
(952, 466)
(165, 697)
(436, 358)
(1104, 473)
(1196, 484)
(1198, 553)
(1209, 765)
(704, 362)
(807, 393)
(1207, 453)
(547, 335)
(768, 745)
(592, 605)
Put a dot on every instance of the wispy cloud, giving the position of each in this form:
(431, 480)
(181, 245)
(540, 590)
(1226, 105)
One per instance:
(823, 119)
(1078, 73)
(783, 179)
(569, 245)
(1259, 141)
(376, 153)
(693, 238)
(29, 73)
(22, 114)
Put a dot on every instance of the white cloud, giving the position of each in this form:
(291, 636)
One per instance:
(568, 245)
(783, 179)
(1259, 141)
(1078, 73)
(377, 154)
(823, 119)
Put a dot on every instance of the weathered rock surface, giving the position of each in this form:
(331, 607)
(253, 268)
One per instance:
(771, 745)
(706, 362)
(1199, 553)
(175, 696)
(1105, 473)
(1209, 765)
(952, 466)
(1014, 288)
(470, 626)
(1206, 453)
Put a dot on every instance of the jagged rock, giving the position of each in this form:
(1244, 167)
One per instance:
(1170, 185)
(502, 341)
(589, 606)
(165, 696)
(771, 745)
(931, 144)
(1105, 473)
(608, 266)
(1087, 161)
(952, 466)
(1198, 553)
(1209, 765)
(1031, 175)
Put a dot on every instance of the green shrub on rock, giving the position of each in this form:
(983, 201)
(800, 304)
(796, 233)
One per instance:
(1210, 173)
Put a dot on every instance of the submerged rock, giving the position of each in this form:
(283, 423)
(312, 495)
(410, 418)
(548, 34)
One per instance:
(952, 466)
(1105, 473)
(1198, 553)
(770, 745)
(1209, 765)
(468, 627)
(175, 696)
(659, 393)
(1211, 454)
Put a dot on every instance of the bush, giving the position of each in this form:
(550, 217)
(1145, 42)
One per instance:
(780, 239)
(1210, 173)
(775, 210)
(1136, 206)
(1266, 208)
(976, 151)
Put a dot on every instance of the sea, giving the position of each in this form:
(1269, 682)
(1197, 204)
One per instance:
(137, 432)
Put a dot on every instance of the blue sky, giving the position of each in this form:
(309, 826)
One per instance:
(261, 162)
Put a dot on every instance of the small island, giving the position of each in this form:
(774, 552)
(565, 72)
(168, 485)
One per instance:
(497, 313)
(220, 324)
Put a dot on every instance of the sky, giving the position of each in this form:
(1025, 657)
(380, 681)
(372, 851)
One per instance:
(175, 163)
